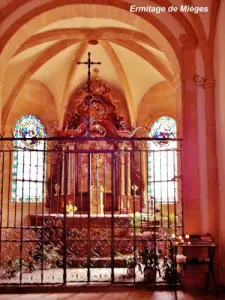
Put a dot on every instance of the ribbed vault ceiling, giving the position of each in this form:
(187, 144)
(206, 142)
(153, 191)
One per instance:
(131, 62)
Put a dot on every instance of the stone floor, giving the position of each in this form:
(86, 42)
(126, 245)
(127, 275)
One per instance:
(115, 294)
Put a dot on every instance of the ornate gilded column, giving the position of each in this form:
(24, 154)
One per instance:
(190, 158)
(144, 163)
(128, 181)
(63, 170)
(70, 170)
(122, 171)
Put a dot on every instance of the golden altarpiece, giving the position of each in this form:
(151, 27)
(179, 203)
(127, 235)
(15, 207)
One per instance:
(89, 164)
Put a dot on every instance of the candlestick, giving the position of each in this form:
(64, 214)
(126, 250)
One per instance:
(97, 169)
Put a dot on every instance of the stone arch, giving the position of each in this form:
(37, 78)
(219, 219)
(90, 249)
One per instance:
(155, 97)
(35, 98)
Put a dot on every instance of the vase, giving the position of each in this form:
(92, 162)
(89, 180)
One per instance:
(149, 275)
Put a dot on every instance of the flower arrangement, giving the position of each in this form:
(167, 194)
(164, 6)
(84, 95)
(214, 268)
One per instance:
(168, 269)
(135, 221)
(150, 259)
(48, 255)
(70, 208)
(150, 235)
(132, 261)
(12, 268)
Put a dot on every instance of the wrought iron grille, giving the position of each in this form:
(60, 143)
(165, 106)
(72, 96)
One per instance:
(102, 210)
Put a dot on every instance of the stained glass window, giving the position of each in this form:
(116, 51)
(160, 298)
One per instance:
(28, 168)
(162, 161)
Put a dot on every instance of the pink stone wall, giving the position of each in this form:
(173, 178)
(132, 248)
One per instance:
(219, 71)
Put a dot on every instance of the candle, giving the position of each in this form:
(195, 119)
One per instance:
(179, 237)
(181, 241)
(189, 243)
(176, 243)
(187, 236)
(173, 236)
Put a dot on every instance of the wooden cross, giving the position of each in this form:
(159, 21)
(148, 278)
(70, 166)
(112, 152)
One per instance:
(89, 63)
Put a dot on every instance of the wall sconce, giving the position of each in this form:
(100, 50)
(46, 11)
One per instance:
(199, 80)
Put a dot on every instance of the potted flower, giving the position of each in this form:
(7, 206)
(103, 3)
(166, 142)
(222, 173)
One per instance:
(169, 220)
(135, 222)
(168, 270)
(150, 259)
(13, 267)
(48, 254)
(131, 262)
(150, 235)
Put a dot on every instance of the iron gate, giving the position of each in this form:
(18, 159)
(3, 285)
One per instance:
(88, 210)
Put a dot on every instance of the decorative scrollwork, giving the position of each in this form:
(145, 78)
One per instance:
(199, 80)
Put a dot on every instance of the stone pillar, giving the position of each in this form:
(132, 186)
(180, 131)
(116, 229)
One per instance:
(179, 120)
(211, 158)
(190, 160)
(178, 96)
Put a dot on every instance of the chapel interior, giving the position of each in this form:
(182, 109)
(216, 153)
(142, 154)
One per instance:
(112, 145)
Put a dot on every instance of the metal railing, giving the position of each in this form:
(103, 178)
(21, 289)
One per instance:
(83, 210)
